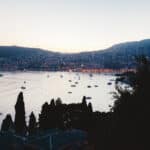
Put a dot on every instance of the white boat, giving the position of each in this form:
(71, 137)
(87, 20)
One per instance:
(73, 85)
(96, 85)
(109, 83)
(88, 98)
(23, 87)
(1, 75)
(89, 86)
(91, 75)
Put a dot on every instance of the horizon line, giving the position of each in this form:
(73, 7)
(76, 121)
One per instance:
(74, 52)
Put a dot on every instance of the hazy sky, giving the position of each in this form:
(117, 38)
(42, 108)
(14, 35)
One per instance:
(73, 25)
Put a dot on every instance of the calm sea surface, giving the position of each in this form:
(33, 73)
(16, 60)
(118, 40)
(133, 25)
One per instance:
(39, 87)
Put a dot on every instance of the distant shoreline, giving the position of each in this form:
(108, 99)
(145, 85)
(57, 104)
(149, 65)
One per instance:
(90, 71)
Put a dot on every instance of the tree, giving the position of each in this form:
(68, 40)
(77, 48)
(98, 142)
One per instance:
(32, 124)
(52, 103)
(90, 107)
(43, 117)
(84, 104)
(7, 124)
(138, 91)
(58, 102)
(20, 123)
(131, 109)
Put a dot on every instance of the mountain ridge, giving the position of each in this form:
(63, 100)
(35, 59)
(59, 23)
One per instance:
(117, 56)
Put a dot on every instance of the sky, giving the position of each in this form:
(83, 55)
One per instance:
(73, 25)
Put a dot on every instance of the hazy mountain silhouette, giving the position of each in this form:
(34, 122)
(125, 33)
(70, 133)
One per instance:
(118, 56)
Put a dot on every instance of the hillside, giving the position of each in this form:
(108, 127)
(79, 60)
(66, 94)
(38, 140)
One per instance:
(118, 56)
(20, 58)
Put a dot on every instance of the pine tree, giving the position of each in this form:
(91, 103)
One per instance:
(84, 104)
(43, 117)
(32, 124)
(20, 123)
(90, 107)
(58, 102)
(52, 104)
(7, 124)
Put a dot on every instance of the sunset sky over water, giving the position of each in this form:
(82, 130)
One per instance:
(73, 25)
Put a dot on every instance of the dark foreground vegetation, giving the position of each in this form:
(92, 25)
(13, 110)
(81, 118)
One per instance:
(125, 127)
